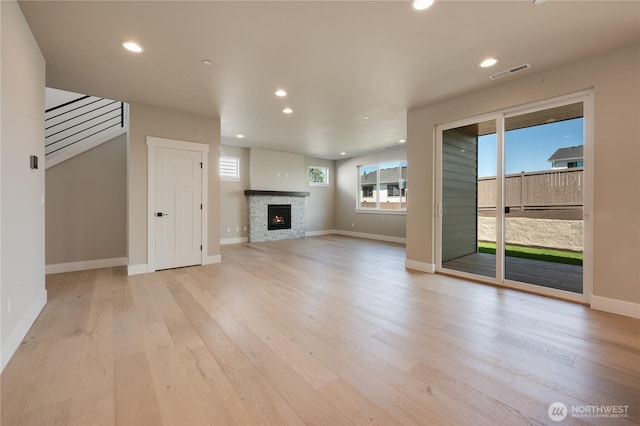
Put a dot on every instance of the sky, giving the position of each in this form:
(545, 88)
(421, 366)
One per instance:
(528, 149)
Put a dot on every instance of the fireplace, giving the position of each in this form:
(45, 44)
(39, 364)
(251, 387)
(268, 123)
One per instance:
(265, 205)
(278, 216)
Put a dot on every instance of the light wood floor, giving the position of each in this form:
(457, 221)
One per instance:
(324, 330)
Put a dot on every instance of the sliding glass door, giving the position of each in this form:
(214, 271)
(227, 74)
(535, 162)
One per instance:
(511, 197)
(544, 187)
(468, 155)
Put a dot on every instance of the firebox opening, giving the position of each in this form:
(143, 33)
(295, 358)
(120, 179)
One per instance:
(279, 216)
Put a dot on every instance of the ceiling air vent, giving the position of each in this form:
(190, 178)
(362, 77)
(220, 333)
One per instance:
(510, 71)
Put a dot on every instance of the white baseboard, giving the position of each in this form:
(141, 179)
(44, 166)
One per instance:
(321, 232)
(615, 306)
(137, 269)
(236, 240)
(386, 238)
(85, 265)
(208, 260)
(10, 345)
(420, 266)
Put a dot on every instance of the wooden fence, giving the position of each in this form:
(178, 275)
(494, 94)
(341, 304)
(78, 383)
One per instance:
(551, 189)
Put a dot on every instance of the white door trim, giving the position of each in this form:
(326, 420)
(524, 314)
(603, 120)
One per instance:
(152, 144)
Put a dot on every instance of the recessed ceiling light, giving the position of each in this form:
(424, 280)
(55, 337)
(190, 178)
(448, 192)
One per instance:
(281, 93)
(422, 4)
(132, 47)
(239, 136)
(401, 141)
(287, 110)
(538, 1)
(207, 62)
(343, 153)
(489, 62)
(366, 117)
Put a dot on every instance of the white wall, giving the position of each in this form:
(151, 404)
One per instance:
(55, 97)
(22, 270)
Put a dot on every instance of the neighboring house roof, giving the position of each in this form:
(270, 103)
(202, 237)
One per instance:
(570, 153)
(386, 176)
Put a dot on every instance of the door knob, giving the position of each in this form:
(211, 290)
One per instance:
(160, 214)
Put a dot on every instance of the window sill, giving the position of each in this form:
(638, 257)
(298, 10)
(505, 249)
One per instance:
(375, 211)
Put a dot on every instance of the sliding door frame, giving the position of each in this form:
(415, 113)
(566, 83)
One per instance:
(439, 210)
(586, 97)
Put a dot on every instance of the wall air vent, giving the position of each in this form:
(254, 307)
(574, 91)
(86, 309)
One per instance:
(510, 71)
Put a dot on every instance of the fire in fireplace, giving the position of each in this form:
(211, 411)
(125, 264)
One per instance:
(279, 216)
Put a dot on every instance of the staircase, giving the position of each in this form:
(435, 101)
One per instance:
(81, 124)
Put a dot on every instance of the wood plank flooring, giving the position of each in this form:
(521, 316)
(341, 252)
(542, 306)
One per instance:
(325, 330)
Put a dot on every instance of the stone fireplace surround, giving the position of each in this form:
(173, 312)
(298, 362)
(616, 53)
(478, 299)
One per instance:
(258, 206)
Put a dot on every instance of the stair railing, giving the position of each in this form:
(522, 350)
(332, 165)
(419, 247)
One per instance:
(80, 119)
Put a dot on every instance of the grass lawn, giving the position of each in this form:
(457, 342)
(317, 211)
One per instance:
(548, 255)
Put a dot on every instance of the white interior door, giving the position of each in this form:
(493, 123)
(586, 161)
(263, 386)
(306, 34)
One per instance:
(178, 208)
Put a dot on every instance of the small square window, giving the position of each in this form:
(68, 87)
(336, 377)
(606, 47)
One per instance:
(318, 175)
(230, 168)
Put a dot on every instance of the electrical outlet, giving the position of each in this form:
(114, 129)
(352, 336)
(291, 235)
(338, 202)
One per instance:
(228, 229)
(319, 223)
(353, 224)
(245, 228)
(237, 228)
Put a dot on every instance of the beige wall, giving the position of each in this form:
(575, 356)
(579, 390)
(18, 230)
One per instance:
(347, 187)
(234, 210)
(321, 204)
(614, 77)
(86, 211)
(276, 171)
(22, 283)
(147, 120)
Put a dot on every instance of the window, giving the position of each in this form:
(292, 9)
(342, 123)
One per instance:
(229, 168)
(318, 175)
(572, 164)
(383, 186)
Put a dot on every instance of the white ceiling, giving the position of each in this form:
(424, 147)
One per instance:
(338, 60)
